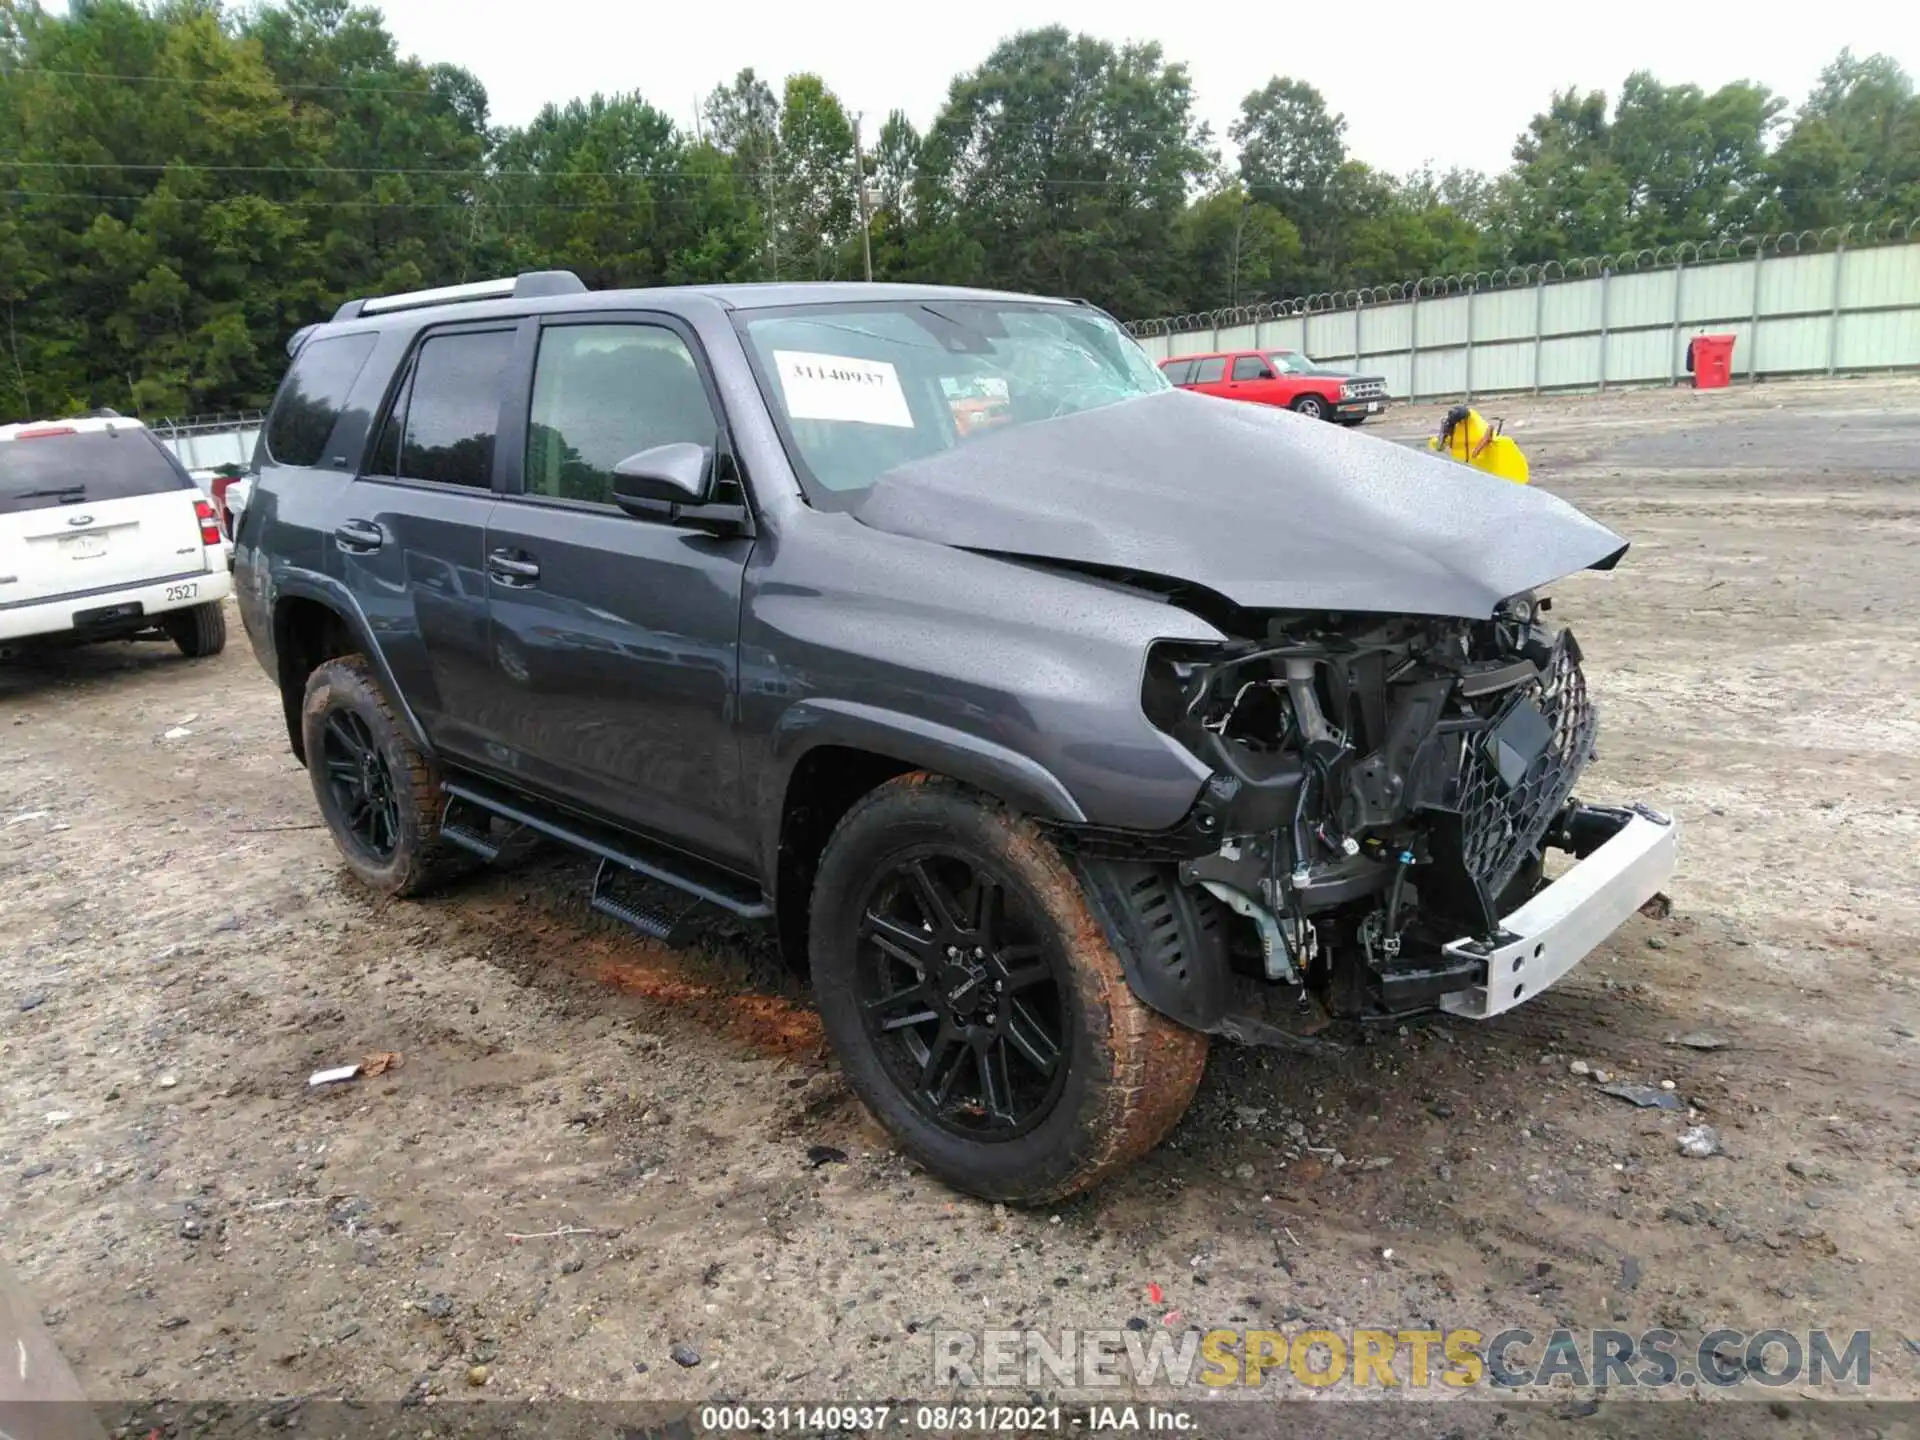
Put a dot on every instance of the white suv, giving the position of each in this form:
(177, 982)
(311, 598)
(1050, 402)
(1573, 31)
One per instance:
(104, 536)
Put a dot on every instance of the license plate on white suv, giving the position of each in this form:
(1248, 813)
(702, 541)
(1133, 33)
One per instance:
(83, 547)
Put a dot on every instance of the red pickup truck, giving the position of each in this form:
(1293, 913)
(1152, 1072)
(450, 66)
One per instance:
(1281, 377)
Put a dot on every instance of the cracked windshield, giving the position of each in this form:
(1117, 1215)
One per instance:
(863, 390)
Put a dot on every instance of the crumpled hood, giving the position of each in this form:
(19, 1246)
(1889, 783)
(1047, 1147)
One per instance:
(1271, 510)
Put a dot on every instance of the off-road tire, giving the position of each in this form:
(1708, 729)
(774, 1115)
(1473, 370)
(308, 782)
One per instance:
(420, 860)
(1132, 1072)
(1311, 406)
(199, 630)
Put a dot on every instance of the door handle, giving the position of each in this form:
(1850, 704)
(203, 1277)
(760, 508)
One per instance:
(512, 567)
(359, 535)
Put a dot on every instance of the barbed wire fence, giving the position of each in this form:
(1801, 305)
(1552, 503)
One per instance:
(1789, 242)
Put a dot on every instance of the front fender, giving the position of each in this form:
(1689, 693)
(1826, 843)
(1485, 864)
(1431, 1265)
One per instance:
(913, 740)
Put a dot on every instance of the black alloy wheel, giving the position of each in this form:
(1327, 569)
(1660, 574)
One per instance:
(960, 1000)
(379, 794)
(360, 783)
(976, 1003)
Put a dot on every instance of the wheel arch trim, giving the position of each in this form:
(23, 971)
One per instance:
(330, 593)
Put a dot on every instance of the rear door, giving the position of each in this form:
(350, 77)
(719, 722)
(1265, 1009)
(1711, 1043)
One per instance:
(85, 510)
(1209, 375)
(410, 531)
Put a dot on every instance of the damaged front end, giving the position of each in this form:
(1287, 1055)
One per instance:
(1374, 834)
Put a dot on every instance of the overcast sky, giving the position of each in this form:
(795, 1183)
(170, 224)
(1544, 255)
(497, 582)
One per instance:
(1418, 82)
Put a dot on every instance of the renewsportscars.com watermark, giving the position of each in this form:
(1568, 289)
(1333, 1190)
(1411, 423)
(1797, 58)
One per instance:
(1378, 1359)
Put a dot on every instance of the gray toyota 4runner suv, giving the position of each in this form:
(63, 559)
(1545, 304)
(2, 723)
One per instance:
(1058, 719)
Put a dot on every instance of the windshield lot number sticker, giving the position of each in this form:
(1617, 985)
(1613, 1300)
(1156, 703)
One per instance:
(842, 387)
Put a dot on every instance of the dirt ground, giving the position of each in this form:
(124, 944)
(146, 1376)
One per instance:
(598, 1149)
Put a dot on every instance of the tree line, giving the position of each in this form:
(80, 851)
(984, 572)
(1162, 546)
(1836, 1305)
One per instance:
(183, 185)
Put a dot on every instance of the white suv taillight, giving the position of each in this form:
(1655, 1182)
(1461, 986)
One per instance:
(221, 484)
(209, 524)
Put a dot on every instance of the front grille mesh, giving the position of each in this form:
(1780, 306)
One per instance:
(1502, 827)
(1366, 389)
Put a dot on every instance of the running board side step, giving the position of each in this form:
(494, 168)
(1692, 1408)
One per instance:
(702, 881)
(472, 841)
(648, 922)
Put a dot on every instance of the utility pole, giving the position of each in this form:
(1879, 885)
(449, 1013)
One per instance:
(1233, 270)
(860, 192)
(767, 187)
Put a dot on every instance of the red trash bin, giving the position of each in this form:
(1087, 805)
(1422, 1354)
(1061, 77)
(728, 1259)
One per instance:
(1712, 361)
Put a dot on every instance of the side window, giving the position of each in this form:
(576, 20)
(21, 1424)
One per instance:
(1207, 372)
(1178, 372)
(602, 393)
(313, 396)
(453, 408)
(1250, 367)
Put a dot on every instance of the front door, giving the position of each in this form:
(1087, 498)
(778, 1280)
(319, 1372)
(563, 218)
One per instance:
(411, 541)
(616, 637)
(1251, 378)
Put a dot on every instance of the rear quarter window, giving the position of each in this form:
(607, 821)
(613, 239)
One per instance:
(85, 468)
(313, 397)
(1177, 371)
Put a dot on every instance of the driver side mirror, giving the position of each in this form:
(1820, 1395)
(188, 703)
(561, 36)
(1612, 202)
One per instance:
(676, 474)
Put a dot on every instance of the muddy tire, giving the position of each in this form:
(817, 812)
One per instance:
(976, 1004)
(379, 795)
(199, 630)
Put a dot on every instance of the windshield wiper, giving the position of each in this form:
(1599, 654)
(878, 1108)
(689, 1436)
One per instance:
(960, 338)
(50, 492)
(868, 334)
